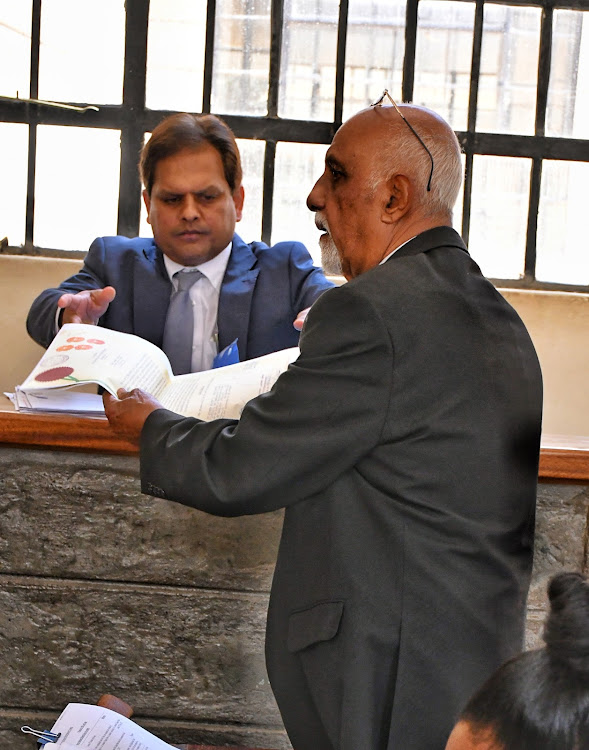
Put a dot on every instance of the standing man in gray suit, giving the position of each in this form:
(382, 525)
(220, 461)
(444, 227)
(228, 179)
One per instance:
(403, 444)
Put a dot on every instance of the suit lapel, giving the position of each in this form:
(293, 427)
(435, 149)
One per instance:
(235, 298)
(151, 293)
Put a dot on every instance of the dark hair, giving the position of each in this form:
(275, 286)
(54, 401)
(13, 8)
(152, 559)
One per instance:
(540, 699)
(185, 130)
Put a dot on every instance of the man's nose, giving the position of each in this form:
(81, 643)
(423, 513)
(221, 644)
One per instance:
(190, 208)
(314, 199)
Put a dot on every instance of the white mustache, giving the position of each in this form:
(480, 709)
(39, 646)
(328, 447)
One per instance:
(321, 223)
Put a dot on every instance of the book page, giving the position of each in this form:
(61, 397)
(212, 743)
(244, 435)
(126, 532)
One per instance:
(223, 392)
(88, 354)
(86, 727)
(59, 402)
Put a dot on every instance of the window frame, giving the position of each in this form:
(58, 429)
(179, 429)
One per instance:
(133, 119)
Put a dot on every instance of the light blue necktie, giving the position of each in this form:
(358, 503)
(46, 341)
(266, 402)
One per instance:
(179, 327)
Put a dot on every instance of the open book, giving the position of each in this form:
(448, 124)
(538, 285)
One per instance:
(82, 355)
(86, 727)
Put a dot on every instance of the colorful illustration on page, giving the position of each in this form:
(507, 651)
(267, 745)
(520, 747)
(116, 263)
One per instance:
(57, 368)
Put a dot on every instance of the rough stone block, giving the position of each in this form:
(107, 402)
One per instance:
(76, 515)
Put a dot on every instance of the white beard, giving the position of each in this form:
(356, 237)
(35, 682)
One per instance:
(330, 259)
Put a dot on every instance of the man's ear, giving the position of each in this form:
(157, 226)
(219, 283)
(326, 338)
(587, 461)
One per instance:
(238, 197)
(398, 198)
(147, 201)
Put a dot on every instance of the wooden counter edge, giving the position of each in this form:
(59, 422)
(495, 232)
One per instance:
(61, 432)
(82, 434)
(566, 464)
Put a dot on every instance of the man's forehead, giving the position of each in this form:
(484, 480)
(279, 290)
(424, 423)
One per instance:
(192, 169)
(354, 141)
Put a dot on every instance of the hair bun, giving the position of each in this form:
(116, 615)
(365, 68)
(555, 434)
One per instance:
(566, 632)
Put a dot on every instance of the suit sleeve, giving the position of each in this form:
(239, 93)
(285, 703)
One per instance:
(321, 417)
(41, 317)
(307, 282)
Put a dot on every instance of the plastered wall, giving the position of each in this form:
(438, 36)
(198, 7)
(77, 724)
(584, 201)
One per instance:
(558, 324)
(21, 279)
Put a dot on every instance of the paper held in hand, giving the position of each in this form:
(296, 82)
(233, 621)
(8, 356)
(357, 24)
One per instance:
(83, 354)
(87, 727)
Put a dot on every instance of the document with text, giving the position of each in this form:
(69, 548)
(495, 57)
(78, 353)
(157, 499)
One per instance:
(81, 355)
(86, 727)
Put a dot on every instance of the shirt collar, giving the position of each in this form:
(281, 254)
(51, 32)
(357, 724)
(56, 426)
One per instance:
(213, 269)
(384, 260)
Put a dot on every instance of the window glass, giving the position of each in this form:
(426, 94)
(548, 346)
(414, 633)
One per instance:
(562, 223)
(459, 205)
(14, 147)
(241, 57)
(443, 58)
(499, 215)
(252, 165)
(175, 54)
(298, 167)
(82, 51)
(76, 186)
(15, 43)
(309, 49)
(509, 69)
(567, 111)
(375, 47)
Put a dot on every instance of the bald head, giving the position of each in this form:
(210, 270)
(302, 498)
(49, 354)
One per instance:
(397, 148)
(373, 195)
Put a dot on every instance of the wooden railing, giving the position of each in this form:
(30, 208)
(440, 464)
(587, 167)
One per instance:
(562, 458)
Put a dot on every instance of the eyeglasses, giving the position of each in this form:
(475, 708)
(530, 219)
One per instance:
(411, 128)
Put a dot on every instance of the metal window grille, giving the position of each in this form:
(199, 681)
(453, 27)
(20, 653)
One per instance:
(132, 118)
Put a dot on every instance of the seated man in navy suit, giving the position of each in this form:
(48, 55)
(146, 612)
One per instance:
(252, 293)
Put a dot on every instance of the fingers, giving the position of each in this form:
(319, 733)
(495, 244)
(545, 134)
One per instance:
(300, 319)
(104, 296)
(65, 300)
(87, 306)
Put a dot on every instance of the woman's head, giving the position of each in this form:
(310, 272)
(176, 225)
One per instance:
(540, 699)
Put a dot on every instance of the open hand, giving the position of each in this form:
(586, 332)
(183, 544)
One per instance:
(87, 306)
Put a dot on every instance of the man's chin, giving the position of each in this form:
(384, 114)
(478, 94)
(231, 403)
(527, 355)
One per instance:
(191, 252)
(330, 259)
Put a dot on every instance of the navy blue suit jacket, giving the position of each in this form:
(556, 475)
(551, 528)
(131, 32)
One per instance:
(263, 290)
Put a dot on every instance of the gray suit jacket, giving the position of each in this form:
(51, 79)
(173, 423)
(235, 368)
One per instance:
(404, 445)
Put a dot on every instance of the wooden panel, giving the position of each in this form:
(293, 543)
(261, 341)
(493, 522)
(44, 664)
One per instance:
(55, 431)
(567, 464)
(568, 461)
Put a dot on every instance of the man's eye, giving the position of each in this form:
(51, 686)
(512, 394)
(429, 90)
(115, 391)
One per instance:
(207, 197)
(171, 199)
(336, 174)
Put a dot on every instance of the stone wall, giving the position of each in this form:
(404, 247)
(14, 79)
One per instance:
(105, 590)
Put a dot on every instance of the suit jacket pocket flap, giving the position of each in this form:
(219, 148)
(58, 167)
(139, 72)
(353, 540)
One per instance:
(313, 625)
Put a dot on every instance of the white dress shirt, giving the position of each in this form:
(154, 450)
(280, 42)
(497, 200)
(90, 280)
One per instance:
(386, 257)
(204, 295)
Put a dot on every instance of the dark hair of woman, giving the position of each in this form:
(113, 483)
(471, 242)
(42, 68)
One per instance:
(540, 699)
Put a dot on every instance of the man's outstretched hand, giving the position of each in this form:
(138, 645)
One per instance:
(127, 413)
(87, 306)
